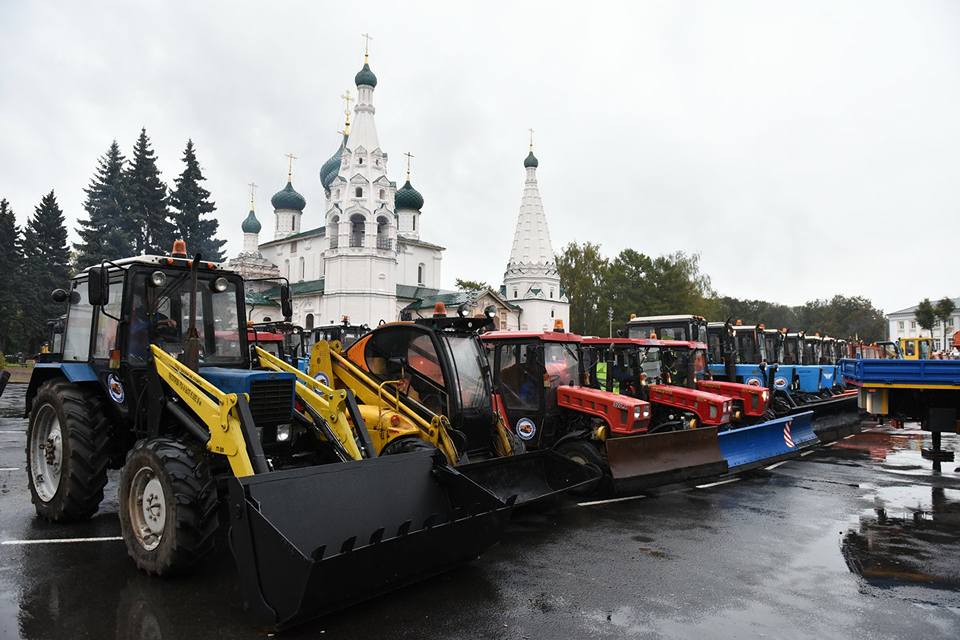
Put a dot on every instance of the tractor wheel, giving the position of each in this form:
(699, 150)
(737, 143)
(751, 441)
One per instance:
(406, 444)
(586, 453)
(66, 451)
(168, 506)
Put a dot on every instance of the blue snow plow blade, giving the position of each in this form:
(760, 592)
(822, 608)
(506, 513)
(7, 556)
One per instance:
(762, 444)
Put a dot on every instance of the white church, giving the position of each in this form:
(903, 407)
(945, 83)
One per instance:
(367, 261)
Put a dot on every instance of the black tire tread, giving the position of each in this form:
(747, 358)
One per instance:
(86, 433)
(406, 444)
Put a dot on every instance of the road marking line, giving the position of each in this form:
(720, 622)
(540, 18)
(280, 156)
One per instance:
(62, 540)
(9, 468)
(849, 436)
(717, 484)
(805, 453)
(776, 464)
(610, 501)
(20, 432)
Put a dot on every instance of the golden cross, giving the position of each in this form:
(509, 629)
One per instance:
(347, 98)
(366, 45)
(409, 158)
(253, 187)
(290, 158)
(531, 139)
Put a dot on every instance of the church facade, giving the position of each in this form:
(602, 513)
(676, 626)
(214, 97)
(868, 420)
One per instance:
(366, 260)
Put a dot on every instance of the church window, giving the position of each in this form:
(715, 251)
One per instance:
(551, 295)
(551, 313)
(293, 247)
(514, 293)
(293, 224)
(333, 231)
(357, 230)
(421, 268)
(414, 222)
(286, 269)
(359, 160)
(383, 235)
(359, 192)
(303, 268)
(383, 194)
(377, 162)
(308, 321)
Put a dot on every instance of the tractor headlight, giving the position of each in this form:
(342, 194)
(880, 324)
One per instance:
(158, 278)
(765, 394)
(713, 411)
(637, 412)
(283, 432)
(219, 285)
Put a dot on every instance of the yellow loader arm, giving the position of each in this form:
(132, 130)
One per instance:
(215, 409)
(330, 404)
(324, 358)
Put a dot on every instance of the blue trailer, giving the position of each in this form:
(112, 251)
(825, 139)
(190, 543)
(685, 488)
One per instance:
(925, 391)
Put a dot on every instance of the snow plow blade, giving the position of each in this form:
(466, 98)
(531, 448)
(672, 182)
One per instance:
(762, 444)
(646, 461)
(530, 477)
(837, 417)
(314, 540)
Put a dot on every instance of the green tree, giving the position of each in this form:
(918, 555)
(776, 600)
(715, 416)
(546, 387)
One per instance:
(11, 291)
(943, 310)
(149, 221)
(104, 235)
(471, 285)
(925, 315)
(191, 202)
(583, 272)
(46, 267)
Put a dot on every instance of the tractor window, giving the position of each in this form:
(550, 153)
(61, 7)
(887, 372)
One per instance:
(715, 350)
(106, 338)
(910, 348)
(673, 333)
(76, 340)
(810, 352)
(924, 349)
(790, 355)
(561, 365)
(746, 347)
(467, 356)
(771, 344)
(409, 357)
(520, 377)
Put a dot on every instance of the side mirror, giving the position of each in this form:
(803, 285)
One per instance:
(286, 306)
(98, 291)
(59, 295)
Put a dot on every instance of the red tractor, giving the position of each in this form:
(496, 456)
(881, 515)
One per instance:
(541, 382)
(660, 369)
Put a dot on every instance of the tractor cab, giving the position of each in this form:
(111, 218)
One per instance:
(793, 351)
(270, 341)
(828, 350)
(285, 340)
(670, 327)
(916, 348)
(344, 332)
(440, 368)
(773, 344)
(811, 349)
(889, 350)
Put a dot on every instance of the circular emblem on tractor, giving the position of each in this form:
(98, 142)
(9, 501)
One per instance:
(780, 383)
(526, 429)
(115, 388)
(754, 382)
(322, 378)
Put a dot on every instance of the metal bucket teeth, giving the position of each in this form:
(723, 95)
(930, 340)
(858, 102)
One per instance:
(646, 461)
(311, 541)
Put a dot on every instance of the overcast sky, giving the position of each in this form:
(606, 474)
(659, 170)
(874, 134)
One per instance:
(804, 149)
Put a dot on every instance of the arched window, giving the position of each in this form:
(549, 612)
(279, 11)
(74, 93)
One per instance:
(357, 229)
(551, 313)
(333, 230)
(551, 297)
(308, 321)
(414, 222)
(383, 194)
(359, 192)
(293, 223)
(359, 160)
(286, 269)
(303, 268)
(514, 293)
(421, 269)
(383, 233)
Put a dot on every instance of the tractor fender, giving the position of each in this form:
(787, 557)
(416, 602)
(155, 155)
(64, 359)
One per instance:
(577, 434)
(76, 372)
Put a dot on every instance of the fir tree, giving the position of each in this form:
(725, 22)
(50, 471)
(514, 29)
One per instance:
(46, 267)
(104, 235)
(11, 261)
(191, 202)
(149, 223)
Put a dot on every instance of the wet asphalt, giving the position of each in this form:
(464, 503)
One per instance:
(860, 539)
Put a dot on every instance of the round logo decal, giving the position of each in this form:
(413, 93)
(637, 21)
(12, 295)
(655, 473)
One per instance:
(115, 388)
(322, 378)
(780, 383)
(753, 382)
(526, 429)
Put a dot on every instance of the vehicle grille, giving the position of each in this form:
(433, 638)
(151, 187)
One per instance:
(271, 402)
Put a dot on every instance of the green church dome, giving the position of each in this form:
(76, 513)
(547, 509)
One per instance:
(251, 224)
(407, 198)
(531, 161)
(365, 77)
(288, 198)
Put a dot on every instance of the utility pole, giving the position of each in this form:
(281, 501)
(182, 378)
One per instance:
(610, 320)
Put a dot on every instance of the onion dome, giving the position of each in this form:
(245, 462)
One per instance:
(531, 161)
(251, 224)
(365, 77)
(288, 198)
(407, 198)
(330, 168)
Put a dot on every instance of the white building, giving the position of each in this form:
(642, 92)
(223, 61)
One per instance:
(903, 324)
(531, 281)
(362, 257)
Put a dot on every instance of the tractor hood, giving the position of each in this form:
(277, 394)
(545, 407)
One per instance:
(241, 380)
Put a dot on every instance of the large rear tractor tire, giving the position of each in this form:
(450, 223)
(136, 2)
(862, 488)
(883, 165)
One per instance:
(66, 451)
(168, 506)
(586, 453)
(406, 444)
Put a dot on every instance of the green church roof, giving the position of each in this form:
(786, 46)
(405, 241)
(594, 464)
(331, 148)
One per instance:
(251, 224)
(407, 198)
(365, 77)
(531, 161)
(288, 198)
